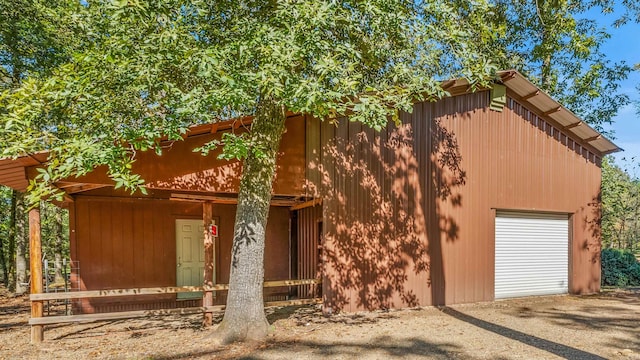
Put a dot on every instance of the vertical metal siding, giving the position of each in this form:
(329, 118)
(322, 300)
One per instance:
(180, 168)
(129, 243)
(401, 227)
(308, 237)
(532, 254)
(313, 157)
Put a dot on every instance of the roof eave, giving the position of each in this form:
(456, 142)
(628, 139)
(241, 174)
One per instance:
(537, 98)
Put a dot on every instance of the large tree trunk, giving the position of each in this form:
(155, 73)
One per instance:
(21, 245)
(244, 317)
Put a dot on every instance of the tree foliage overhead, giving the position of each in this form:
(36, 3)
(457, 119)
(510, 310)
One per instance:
(557, 47)
(630, 10)
(143, 70)
(139, 71)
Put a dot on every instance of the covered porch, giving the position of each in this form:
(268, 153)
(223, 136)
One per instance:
(170, 250)
(156, 256)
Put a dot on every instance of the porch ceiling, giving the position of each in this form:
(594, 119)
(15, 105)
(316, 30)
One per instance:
(294, 202)
(13, 171)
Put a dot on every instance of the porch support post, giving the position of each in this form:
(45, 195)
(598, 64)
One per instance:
(207, 297)
(35, 262)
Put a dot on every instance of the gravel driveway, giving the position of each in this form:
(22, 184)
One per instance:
(605, 326)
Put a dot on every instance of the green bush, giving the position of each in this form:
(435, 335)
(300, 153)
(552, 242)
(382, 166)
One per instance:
(620, 268)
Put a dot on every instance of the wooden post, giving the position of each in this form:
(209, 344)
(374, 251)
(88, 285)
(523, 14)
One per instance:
(35, 262)
(207, 297)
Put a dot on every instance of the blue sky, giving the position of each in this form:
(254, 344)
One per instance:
(625, 45)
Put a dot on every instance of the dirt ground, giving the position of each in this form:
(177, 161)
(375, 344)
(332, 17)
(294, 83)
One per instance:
(593, 327)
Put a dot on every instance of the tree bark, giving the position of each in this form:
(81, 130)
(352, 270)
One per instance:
(58, 239)
(244, 317)
(545, 68)
(209, 270)
(546, 73)
(3, 260)
(11, 251)
(21, 246)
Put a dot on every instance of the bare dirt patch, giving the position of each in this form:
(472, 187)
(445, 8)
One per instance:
(605, 326)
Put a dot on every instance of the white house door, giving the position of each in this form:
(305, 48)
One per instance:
(189, 255)
(532, 254)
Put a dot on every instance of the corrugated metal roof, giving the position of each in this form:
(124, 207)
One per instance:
(572, 124)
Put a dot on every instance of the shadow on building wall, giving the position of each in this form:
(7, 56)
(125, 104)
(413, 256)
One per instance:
(384, 194)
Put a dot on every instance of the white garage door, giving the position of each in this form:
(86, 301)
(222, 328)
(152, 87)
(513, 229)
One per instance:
(532, 254)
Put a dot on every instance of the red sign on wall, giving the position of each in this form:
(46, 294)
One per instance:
(214, 230)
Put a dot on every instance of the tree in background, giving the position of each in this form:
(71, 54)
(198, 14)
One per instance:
(14, 254)
(55, 236)
(146, 70)
(620, 206)
(20, 231)
(13, 241)
(33, 41)
(6, 259)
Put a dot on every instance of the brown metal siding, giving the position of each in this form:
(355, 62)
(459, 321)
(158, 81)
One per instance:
(308, 234)
(129, 243)
(314, 168)
(180, 168)
(409, 212)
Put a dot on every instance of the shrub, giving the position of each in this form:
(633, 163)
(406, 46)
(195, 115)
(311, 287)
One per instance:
(620, 268)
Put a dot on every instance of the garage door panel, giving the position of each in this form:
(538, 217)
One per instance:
(531, 280)
(544, 251)
(532, 252)
(529, 271)
(529, 292)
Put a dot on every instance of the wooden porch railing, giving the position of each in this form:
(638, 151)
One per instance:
(47, 320)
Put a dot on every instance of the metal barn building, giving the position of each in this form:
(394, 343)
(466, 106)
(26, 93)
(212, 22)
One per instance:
(475, 197)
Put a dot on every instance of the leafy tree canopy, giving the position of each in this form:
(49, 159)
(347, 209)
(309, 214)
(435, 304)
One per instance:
(143, 70)
(32, 38)
(557, 47)
(620, 205)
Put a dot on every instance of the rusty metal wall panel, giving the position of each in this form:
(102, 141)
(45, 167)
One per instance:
(409, 211)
